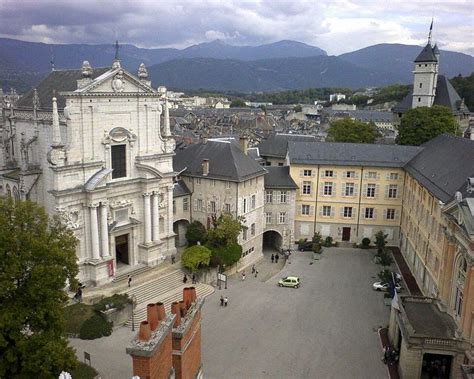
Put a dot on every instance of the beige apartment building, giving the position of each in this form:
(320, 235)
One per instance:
(348, 191)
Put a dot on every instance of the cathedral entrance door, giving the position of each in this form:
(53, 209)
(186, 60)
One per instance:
(121, 249)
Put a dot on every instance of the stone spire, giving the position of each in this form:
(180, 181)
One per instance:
(56, 140)
(116, 61)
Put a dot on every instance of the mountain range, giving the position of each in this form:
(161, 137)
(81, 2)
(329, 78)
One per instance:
(222, 67)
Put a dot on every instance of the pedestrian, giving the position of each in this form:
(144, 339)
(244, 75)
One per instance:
(185, 279)
(222, 301)
(173, 259)
(129, 278)
(277, 257)
(194, 279)
(273, 258)
(253, 269)
(256, 272)
(243, 275)
(385, 354)
(226, 300)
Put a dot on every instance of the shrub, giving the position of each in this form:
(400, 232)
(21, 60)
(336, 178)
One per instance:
(385, 276)
(316, 248)
(95, 327)
(365, 242)
(196, 257)
(317, 238)
(196, 232)
(380, 240)
(75, 315)
(225, 255)
(117, 301)
(384, 258)
(302, 243)
(328, 241)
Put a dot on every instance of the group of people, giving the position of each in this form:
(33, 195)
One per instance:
(224, 301)
(275, 258)
(390, 355)
(193, 279)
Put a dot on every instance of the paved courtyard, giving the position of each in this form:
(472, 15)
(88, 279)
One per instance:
(325, 329)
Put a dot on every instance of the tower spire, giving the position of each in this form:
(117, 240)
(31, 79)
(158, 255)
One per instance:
(116, 61)
(431, 30)
(52, 60)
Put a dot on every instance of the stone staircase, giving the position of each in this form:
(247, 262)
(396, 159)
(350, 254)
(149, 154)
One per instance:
(136, 271)
(166, 289)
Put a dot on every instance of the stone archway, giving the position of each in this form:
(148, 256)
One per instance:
(272, 240)
(179, 228)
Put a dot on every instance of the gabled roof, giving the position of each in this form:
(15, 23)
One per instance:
(444, 165)
(180, 189)
(279, 177)
(426, 55)
(226, 162)
(57, 81)
(276, 146)
(350, 154)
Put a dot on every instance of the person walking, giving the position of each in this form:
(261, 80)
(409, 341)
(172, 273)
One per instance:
(243, 275)
(194, 279)
(273, 258)
(129, 279)
(173, 259)
(222, 301)
(185, 279)
(256, 272)
(253, 269)
(277, 257)
(226, 300)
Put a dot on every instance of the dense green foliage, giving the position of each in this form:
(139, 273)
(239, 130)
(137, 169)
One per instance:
(237, 103)
(465, 88)
(95, 327)
(118, 301)
(387, 94)
(195, 233)
(75, 315)
(225, 230)
(37, 258)
(380, 240)
(196, 257)
(422, 124)
(84, 371)
(297, 108)
(348, 130)
(226, 254)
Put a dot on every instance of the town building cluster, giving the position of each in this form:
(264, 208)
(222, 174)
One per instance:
(96, 147)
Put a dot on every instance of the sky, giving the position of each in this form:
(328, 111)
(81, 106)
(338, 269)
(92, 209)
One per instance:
(337, 26)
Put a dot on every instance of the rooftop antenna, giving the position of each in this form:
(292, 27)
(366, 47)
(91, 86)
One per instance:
(52, 60)
(431, 30)
(117, 47)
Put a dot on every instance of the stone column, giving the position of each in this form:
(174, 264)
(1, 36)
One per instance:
(155, 208)
(147, 217)
(104, 230)
(94, 232)
(170, 210)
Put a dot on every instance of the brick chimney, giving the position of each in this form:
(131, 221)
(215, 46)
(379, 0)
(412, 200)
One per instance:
(205, 167)
(173, 348)
(244, 144)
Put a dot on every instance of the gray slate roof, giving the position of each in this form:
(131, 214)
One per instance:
(279, 177)
(62, 80)
(363, 115)
(350, 154)
(426, 55)
(226, 162)
(443, 165)
(180, 189)
(446, 96)
(277, 145)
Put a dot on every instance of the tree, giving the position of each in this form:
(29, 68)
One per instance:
(384, 258)
(226, 255)
(380, 240)
(348, 130)
(226, 230)
(422, 124)
(195, 257)
(297, 108)
(37, 259)
(195, 233)
(465, 88)
(237, 103)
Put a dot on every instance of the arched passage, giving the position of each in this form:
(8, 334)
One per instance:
(272, 240)
(179, 228)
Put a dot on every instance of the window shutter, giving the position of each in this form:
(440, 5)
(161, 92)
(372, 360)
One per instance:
(313, 173)
(321, 189)
(356, 187)
(320, 211)
(344, 174)
(366, 175)
(311, 210)
(276, 198)
(208, 206)
(387, 176)
(397, 214)
(334, 189)
(332, 211)
(354, 212)
(365, 190)
(363, 211)
(378, 175)
(377, 186)
(375, 213)
(321, 174)
(334, 174)
(195, 204)
(385, 214)
(387, 187)
(301, 172)
(356, 174)
(343, 190)
(301, 188)
(342, 212)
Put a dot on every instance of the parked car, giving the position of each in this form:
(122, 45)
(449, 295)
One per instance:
(379, 286)
(290, 281)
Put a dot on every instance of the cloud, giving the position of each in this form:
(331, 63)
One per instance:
(337, 26)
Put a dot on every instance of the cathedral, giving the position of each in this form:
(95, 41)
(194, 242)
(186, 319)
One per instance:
(94, 146)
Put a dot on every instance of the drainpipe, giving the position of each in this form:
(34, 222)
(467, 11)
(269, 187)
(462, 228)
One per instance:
(360, 197)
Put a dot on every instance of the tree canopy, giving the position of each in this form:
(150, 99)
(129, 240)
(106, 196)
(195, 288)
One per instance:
(422, 124)
(195, 257)
(196, 232)
(237, 103)
(225, 231)
(348, 130)
(37, 259)
(464, 85)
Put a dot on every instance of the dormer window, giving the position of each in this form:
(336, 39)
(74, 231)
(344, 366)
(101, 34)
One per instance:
(119, 161)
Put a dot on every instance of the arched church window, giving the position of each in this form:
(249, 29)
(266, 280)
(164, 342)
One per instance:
(461, 271)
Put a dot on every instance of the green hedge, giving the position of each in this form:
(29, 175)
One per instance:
(95, 327)
(118, 301)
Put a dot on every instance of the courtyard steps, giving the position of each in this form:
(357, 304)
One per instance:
(123, 275)
(166, 289)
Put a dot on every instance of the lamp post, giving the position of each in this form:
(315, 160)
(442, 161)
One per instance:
(134, 303)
